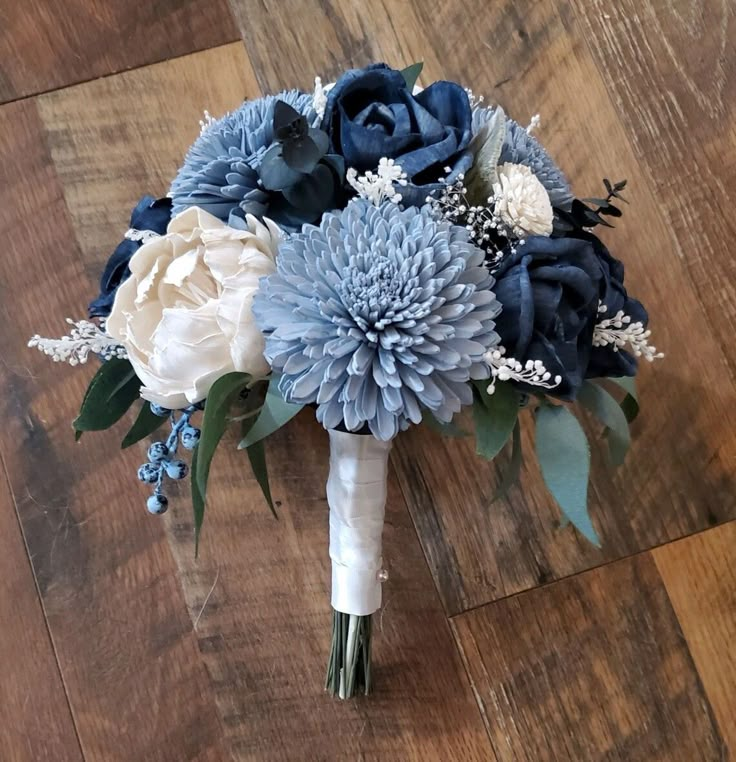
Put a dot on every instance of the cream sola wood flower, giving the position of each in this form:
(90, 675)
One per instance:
(184, 315)
(378, 313)
(521, 202)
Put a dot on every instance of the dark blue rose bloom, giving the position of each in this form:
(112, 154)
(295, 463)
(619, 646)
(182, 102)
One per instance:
(604, 361)
(149, 214)
(550, 289)
(371, 113)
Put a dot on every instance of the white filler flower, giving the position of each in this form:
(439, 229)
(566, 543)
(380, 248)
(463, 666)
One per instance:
(522, 202)
(184, 315)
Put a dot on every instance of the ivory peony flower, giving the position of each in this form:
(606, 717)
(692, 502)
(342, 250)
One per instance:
(184, 315)
(522, 202)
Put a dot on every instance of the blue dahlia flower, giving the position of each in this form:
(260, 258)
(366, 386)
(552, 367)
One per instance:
(220, 172)
(519, 147)
(378, 313)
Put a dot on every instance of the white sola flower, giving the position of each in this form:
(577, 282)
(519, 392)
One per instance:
(522, 203)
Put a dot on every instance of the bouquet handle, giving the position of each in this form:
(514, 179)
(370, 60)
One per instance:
(356, 494)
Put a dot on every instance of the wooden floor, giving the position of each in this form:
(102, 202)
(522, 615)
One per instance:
(503, 636)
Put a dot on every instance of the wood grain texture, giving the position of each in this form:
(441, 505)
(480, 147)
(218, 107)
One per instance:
(34, 713)
(264, 632)
(700, 578)
(590, 668)
(678, 103)
(47, 44)
(110, 592)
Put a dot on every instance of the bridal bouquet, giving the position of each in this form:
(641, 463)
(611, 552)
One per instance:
(385, 255)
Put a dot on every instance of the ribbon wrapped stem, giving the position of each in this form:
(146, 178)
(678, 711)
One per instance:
(356, 494)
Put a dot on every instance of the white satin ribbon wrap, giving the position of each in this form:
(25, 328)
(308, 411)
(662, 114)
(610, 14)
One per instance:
(356, 494)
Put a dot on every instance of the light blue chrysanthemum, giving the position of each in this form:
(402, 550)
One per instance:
(519, 147)
(220, 170)
(376, 314)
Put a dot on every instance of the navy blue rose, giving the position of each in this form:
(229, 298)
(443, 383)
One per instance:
(371, 113)
(549, 289)
(149, 214)
(604, 361)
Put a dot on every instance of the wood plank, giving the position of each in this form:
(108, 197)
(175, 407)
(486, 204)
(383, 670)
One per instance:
(679, 478)
(700, 578)
(34, 714)
(333, 36)
(47, 44)
(678, 103)
(264, 632)
(115, 611)
(592, 668)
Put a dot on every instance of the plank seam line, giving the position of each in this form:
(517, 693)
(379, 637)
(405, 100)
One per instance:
(82, 82)
(590, 569)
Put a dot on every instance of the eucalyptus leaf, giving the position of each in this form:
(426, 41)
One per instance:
(495, 416)
(222, 395)
(146, 423)
(274, 415)
(511, 475)
(486, 147)
(257, 456)
(596, 399)
(630, 403)
(564, 457)
(111, 392)
(198, 501)
(411, 74)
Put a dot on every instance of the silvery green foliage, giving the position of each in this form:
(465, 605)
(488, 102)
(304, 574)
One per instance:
(378, 313)
(220, 172)
(486, 146)
(519, 147)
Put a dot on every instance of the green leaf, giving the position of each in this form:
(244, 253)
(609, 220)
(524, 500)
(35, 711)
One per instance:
(446, 429)
(411, 74)
(146, 423)
(495, 416)
(257, 456)
(274, 415)
(630, 403)
(608, 411)
(564, 457)
(198, 501)
(111, 392)
(221, 396)
(511, 475)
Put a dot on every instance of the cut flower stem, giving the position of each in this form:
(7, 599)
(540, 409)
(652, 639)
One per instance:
(349, 666)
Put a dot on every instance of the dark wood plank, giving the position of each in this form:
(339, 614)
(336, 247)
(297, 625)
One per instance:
(700, 578)
(591, 668)
(264, 631)
(34, 713)
(47, 44)
(678, 102)
(107, 579)
(678, 479)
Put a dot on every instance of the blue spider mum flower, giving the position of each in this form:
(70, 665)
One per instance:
(220, 172)
(519, 147)
(378, 313)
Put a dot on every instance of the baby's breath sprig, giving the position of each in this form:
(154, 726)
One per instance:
(84, 338)
(505, 368)
(485, 229)
(378, 186)
(620, 332)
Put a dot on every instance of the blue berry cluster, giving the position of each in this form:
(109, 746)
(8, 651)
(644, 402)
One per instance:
(162, 459)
